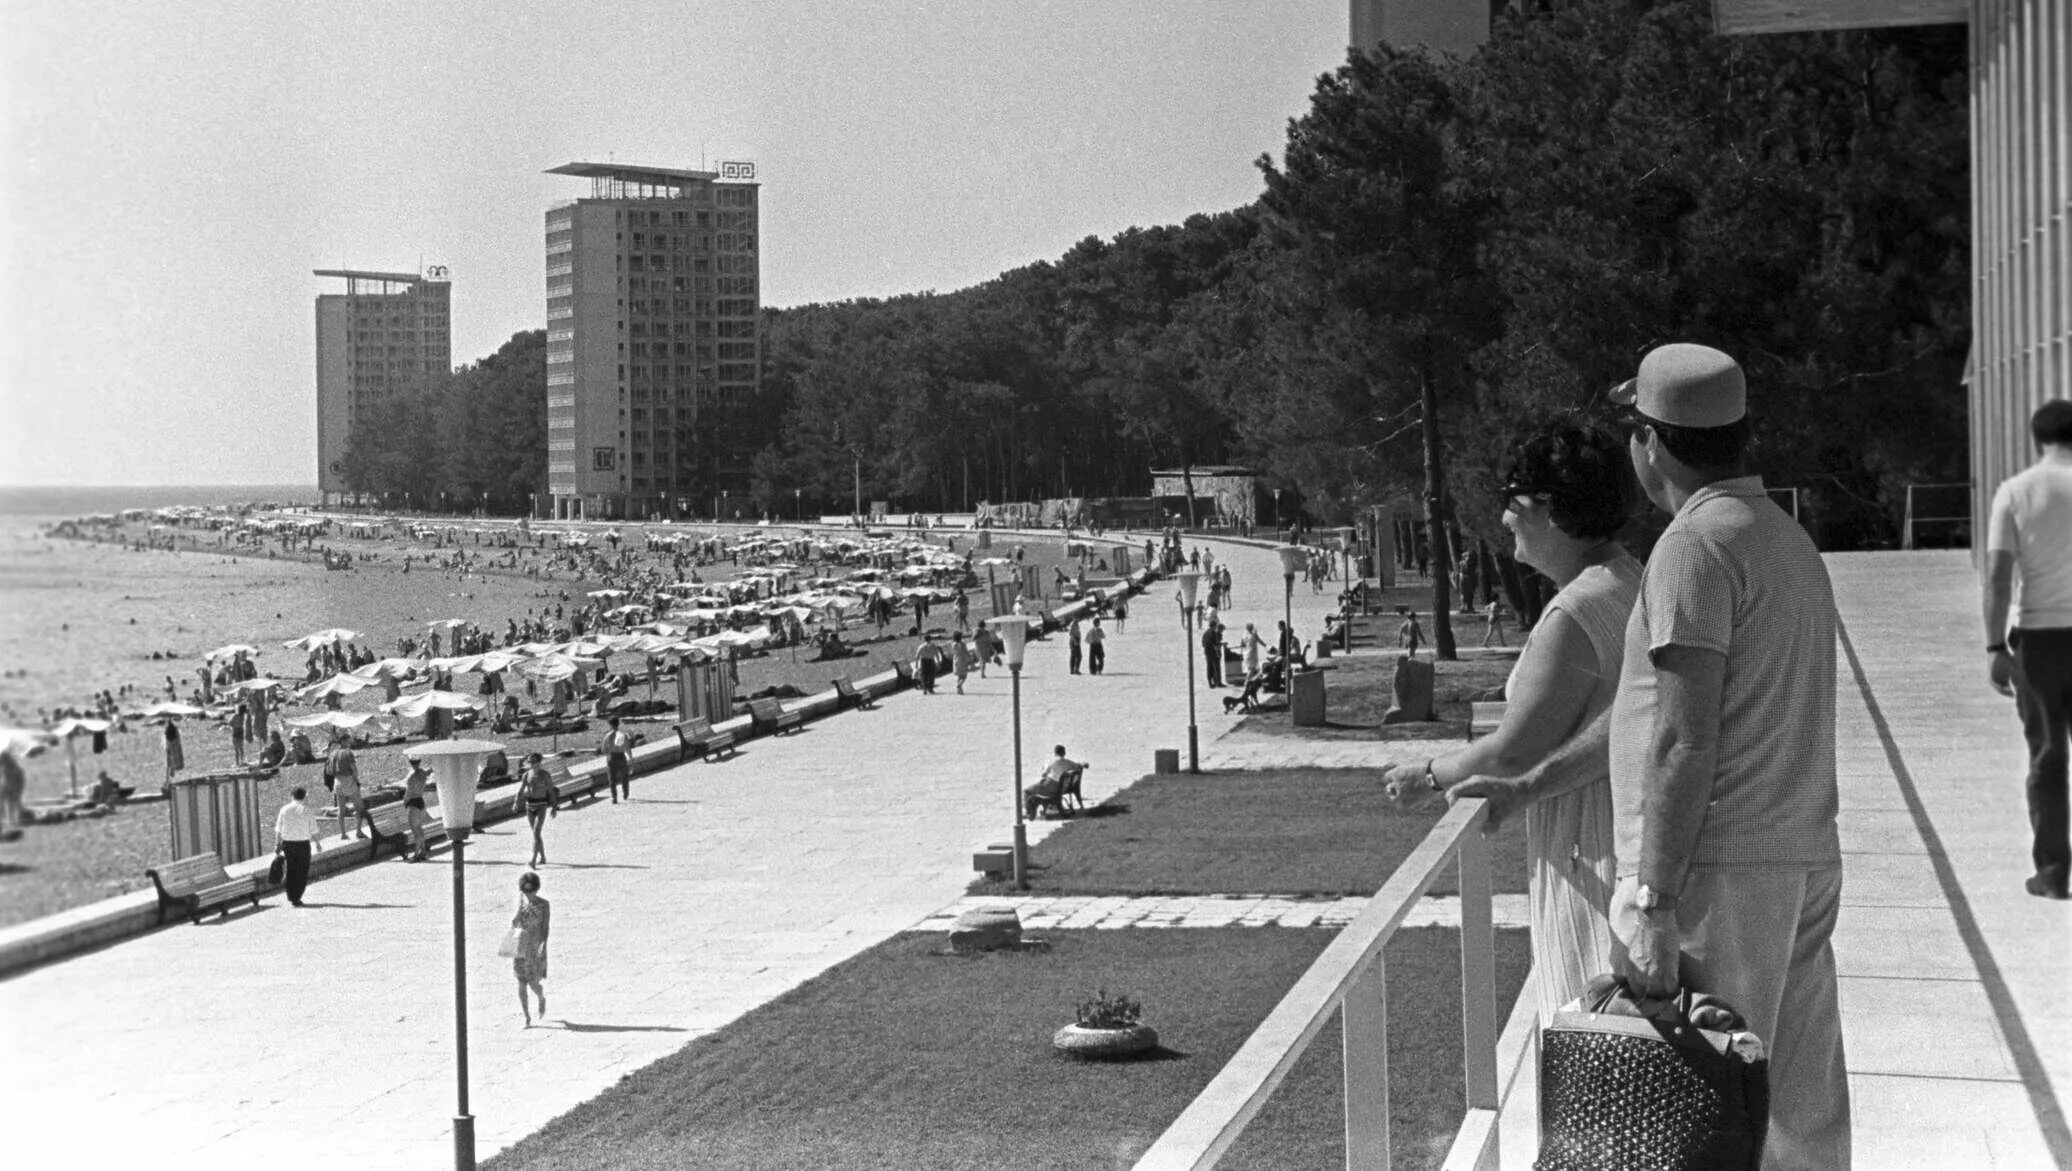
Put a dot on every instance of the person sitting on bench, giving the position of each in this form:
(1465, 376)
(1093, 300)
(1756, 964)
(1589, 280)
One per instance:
(1051, 789)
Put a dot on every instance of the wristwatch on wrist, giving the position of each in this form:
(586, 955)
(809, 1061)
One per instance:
(1647, 898)
(1998, 648)
(1431, 778)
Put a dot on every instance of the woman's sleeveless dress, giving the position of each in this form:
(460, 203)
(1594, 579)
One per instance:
(1569, 850)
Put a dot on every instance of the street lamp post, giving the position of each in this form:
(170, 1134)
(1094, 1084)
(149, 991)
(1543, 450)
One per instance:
(1293, 559)
(1014, 640)
(1190, 585)
(456, 767)
(798, 505)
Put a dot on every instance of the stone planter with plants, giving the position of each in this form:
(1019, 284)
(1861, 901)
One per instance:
(1107, 1026)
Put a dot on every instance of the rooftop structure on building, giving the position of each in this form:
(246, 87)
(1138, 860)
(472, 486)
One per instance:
(388, 334)
(653, 337)
(1453, 27)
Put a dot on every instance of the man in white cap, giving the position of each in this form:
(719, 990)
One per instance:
(1722, 751)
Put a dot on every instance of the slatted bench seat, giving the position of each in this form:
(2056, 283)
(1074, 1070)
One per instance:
(770, 716)
(392, 827)
(847, 694)
(699, 739)
(569, 788)
(199, 883)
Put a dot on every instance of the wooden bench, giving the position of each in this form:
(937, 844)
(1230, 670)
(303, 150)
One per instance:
(699, 739)
(770, 716)
(569, 788)
(392, 827)
(198, 883)
(847, 695)
(1063, 802)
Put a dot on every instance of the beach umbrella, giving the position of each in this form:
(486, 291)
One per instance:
(171, 710)
(607, 593)
(69, 730)
(262, 683)
(346, 684)
(310, 642)
(25, 741)
(230, 651)
(425, 702)
(397, 668)
(345, 720)
(448, 624)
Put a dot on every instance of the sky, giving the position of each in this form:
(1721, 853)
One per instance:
(173, 172)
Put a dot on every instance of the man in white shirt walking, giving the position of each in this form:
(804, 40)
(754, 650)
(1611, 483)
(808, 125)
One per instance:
(295, 836)
(2029, 535)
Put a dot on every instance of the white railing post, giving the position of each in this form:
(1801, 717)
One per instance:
(1477, 977)
(1364, 1023)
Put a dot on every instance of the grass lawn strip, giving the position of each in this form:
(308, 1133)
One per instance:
(1296, 832)
(904, 1057)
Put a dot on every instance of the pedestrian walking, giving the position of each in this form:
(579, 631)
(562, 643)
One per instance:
(1722, 751)
(1495, 629)
(342, 777)
(237, 734)
(618, 761)
(1122, 610)
(2029, 537)
(536, 790)
(924, 665)
(1096, 648)
(982, 647)
(1072, 644)
(413, 807)
(1410, 635)
(175, 752)
(961, 659)
(527, 943)
(1252, 647)
(295, 838)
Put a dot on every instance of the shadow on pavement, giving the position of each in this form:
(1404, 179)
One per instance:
(577, 1027)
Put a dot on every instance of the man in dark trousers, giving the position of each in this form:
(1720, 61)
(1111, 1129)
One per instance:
(1212, 652)
(2030, 535)
(618, 761)
(295, 836)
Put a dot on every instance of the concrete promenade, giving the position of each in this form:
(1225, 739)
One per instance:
(324, 1037)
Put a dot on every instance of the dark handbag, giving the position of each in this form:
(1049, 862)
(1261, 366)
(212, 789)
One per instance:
(277, 870)
(1677, 1084)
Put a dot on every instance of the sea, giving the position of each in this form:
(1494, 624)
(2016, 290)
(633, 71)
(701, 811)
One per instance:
(77, 617)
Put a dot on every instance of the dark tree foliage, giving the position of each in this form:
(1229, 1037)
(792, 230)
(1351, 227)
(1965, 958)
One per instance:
(1485, 244)
(475, 439)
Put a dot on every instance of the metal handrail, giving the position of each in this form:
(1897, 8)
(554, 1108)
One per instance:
(1350, 978)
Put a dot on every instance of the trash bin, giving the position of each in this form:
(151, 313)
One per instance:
(1306, 698)
(1165, 760)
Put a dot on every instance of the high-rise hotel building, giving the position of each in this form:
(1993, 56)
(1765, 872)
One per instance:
(652, 333)
(388, 334)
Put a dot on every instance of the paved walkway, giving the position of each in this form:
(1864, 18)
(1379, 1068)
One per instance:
(325, 1036)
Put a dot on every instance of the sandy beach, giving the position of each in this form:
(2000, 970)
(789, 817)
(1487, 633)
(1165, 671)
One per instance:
(116, 614)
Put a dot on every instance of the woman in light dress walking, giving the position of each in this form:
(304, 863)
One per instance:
(529, 959)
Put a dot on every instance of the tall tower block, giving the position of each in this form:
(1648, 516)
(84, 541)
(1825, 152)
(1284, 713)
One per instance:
(653, 333)
(389, 333)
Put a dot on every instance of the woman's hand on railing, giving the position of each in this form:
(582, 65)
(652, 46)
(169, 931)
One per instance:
(1506, 795)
